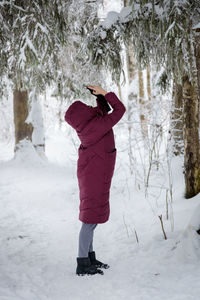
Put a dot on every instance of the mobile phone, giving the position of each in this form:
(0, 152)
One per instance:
(91, 91)
(102, 99)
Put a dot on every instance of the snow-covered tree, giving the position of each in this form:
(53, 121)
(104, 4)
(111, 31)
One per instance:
(31, 34)
(43, 45)
(77, 70)
(165, 33)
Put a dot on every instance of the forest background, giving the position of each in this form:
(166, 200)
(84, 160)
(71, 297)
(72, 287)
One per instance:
(148, 53)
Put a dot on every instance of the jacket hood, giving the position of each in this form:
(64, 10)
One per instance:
(79, 114)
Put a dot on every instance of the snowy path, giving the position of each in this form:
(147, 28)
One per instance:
(39, 232)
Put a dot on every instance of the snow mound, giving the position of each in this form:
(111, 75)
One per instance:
(188, 246)
(27, 155)
(197, 26)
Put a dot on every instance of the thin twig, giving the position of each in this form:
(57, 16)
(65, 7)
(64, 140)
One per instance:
(125, 226)
(167, 207)
(163, 230)
(136, 236)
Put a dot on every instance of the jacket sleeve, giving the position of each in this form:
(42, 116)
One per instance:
(118, 110)
(101, 106)
(99, 126)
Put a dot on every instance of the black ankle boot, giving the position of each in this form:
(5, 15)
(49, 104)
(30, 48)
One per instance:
(84, 267)
(96, 262)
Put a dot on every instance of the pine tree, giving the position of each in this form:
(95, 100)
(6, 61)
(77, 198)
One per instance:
(162, 32)
(42, 45)
(31, 34)
(76, 67)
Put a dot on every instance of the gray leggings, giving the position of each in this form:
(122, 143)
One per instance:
(86, 239)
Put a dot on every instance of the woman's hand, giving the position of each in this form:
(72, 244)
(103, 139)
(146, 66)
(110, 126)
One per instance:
(97, 90)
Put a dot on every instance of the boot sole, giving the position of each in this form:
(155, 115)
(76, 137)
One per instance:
(102, 267)
(90, 274)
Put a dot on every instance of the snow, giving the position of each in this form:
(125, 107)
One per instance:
(39, 206)
(125, 13)
(36, 119)
(197, 26)
(109, 6)
(103, 35)
(26, 43)
(114, 16)
(111, 19)
(190, 242)
(170, 28)
(39, 232)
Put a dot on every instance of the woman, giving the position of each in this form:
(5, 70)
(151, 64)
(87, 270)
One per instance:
(95, 167)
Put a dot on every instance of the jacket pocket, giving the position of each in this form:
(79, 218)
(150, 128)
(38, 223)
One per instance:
(110, 164)
(84, 162)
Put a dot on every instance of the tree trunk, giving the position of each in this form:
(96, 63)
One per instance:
(131, 69)
(177, 118)
(149, 95)
(191, 139)
(148, 83)
(130, 61)
(22, 129)
(197, 56)
(126, 3)
(132, 96)
(119, 91)
(142, 102)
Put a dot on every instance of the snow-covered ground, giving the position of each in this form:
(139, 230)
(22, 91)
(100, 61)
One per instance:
(39, 233)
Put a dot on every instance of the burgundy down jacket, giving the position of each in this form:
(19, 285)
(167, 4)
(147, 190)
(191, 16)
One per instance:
(96, 155)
